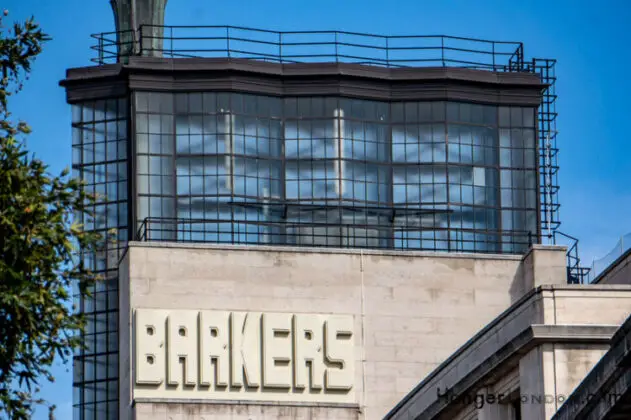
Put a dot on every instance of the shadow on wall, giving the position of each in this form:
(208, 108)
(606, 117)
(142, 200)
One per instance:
(518, 288)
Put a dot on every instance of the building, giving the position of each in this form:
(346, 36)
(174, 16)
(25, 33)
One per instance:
(559, 352)
(309, 224)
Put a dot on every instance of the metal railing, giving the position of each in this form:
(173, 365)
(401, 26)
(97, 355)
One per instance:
(310, 46)
(576, 273)
(602, 265)
(352, 235)
(333, 235)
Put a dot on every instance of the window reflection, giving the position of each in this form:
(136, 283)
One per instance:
(270, 163)
(100, 150)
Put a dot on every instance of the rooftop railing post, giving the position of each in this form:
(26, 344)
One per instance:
(140, 31)
(141, 235)
(228, 40)
(280, 47)
(348, 238)
(419, 50)
(101, 48)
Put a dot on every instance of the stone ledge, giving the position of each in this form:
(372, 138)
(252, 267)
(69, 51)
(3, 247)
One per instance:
(319, 69)
(547, 248)
(573, 333)
(323, 250)
(242, 402)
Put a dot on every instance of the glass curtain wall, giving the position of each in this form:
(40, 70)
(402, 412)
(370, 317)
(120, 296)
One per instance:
(99, 144)
(328, 171)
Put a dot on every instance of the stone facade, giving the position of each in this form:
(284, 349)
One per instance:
(542, 347)
(411, 310)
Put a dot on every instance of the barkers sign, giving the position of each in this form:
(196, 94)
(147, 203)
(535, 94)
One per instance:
(185, 354)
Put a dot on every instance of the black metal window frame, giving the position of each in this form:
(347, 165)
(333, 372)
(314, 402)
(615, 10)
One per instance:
(190, 110)
(101, 158)
(237, 42)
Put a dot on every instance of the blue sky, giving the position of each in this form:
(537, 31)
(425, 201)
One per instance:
(589, 39)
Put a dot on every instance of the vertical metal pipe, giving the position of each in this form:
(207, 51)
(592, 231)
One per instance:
(229, 160)
(548, 181)
(228, 40)
(342, 164)
(266, 227)
(336, 137)
(280, 47)
(338, 133)
(134, 27)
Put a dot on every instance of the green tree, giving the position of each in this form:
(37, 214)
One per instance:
(39, 245)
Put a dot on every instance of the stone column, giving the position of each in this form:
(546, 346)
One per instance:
(139, 27)
(537, 383)
(542, 265)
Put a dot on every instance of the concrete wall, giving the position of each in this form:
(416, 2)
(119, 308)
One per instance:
(413, 309)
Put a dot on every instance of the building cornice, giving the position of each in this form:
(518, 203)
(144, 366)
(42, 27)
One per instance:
(303, 79)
